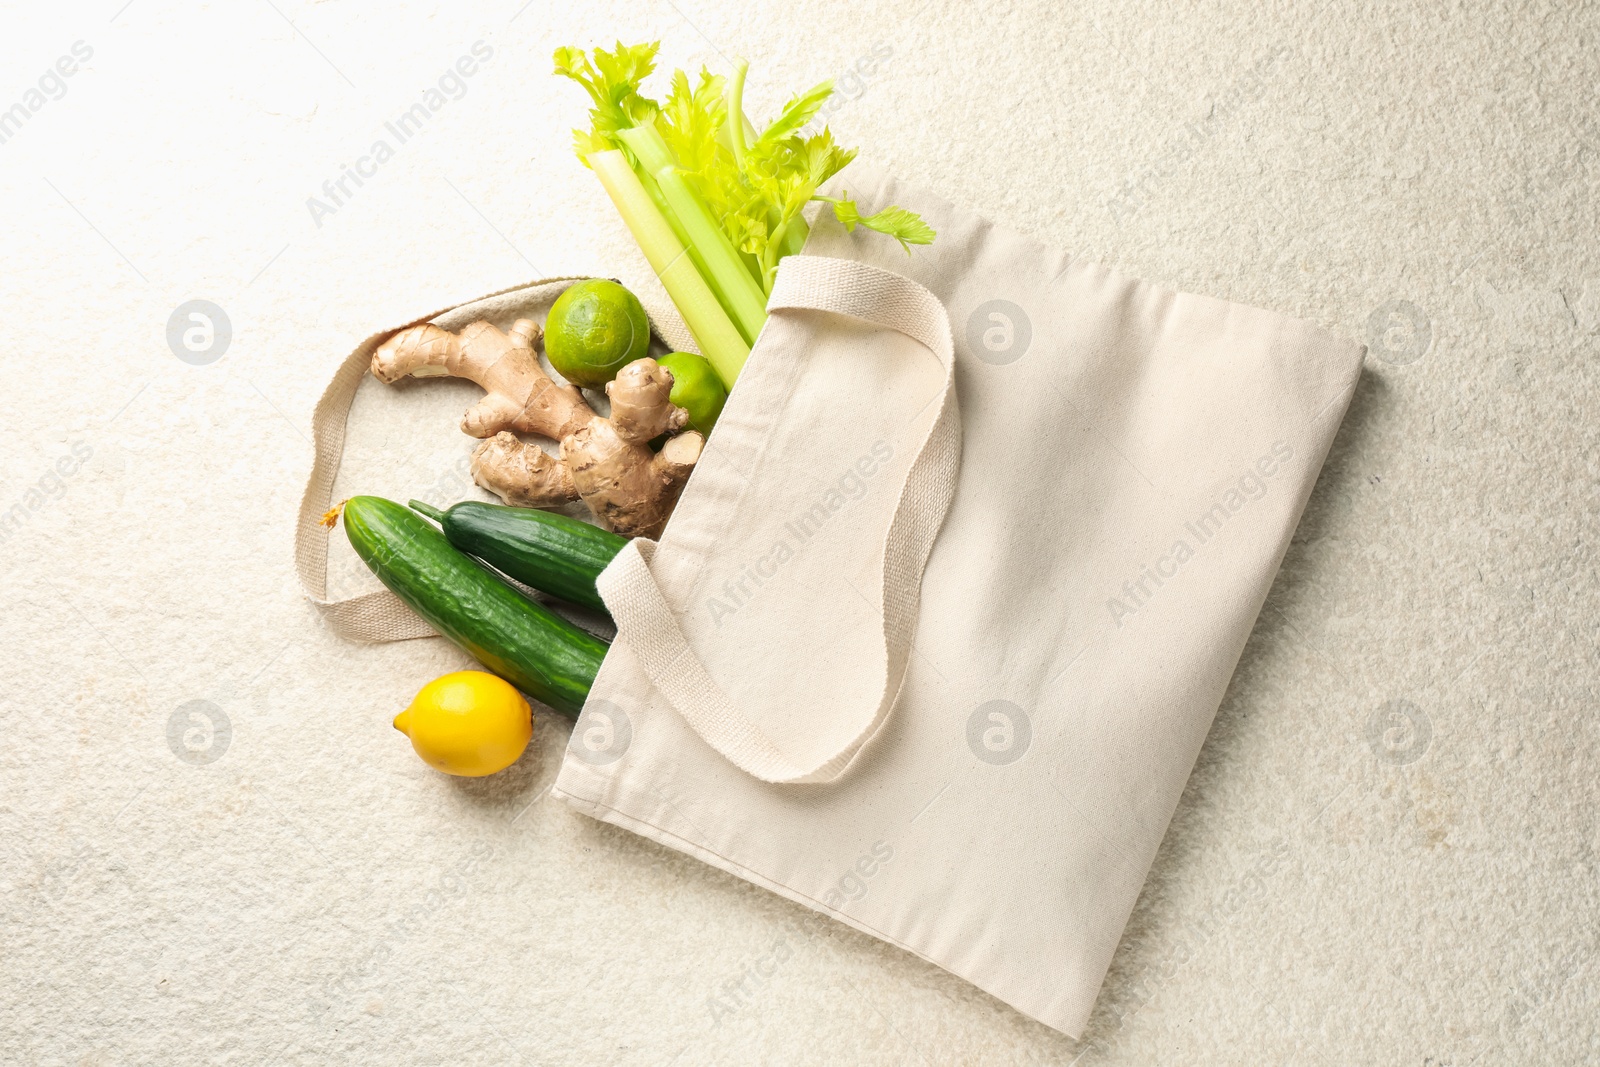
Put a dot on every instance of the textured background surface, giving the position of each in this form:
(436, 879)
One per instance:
(1387, 853)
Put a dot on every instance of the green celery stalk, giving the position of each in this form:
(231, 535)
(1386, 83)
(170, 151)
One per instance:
(654, 189)
(741, 297)
(736, 120)
(720, 341)
(789, 238)
(794, 238)
(726, 272)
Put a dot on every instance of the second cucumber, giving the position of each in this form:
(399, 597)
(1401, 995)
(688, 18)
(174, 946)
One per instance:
(553, 553)
(525, 643)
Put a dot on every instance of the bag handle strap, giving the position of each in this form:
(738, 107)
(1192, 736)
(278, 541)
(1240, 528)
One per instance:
(648, 624)
(380, 615)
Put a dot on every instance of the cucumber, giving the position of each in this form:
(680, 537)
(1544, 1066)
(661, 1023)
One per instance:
(553, 553)
(525, 643)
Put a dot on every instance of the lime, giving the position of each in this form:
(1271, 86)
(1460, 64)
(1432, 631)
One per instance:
(595, 329)
(695, 388)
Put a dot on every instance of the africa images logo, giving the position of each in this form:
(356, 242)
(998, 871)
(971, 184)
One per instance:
(999, 332)
(602, 733)
(1252, 485)
(999, 732)
(451, 85)
(849, 486)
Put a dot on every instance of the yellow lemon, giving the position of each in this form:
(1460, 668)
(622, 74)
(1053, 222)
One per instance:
(468, 723)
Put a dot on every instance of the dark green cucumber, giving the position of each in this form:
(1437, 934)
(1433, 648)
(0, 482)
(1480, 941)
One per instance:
(535, 650)
(553, 553)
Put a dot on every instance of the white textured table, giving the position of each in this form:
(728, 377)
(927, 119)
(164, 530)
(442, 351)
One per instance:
(1388, 851)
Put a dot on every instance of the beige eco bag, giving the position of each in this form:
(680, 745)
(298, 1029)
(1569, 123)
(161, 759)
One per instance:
(945, 612)
(943, 617)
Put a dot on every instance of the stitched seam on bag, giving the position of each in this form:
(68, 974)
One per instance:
(713, 857)
(893, 190)
(772, 885)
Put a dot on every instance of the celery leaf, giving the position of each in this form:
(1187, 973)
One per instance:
(612, 81)
(904, 226)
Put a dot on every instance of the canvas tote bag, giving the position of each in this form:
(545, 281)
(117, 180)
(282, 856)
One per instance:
(377, 614)
(942, 619)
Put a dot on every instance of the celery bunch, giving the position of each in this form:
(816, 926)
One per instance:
(713, 204)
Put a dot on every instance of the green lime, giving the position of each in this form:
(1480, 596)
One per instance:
(595, 329)
(695, 388)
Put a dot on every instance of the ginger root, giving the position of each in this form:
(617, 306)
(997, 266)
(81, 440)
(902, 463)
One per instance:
(627, 486)
(605, 461)
(521, 396)
(521, 474)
